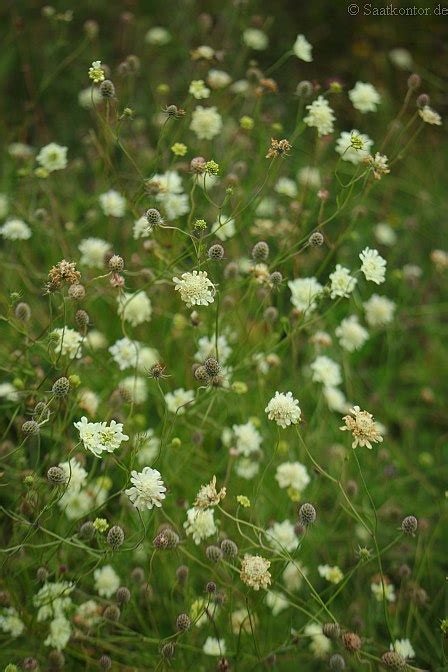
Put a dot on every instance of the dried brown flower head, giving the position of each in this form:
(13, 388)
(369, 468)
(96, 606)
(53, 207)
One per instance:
(278, 148)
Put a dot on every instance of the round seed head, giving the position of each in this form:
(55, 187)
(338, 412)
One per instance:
(76, 292)
(260, 251)
(105, 662)
(153, 217)
(231, 270)
(56, 660)
(182, 574)
(107, 89)
(270, 314)
(116, 263)
(166, 539)
(304, 89)
(183, 622)
(82, 319)
(168, 650)
(201, 374)
(61, 387)
(112, 613)
(115, 536)
(276, 278)
(336, 663)
(409, 525)
(123, 595)
(331, 630)
(23, 312)
(393, 660)
(87, 530)
(307, 514)
(42, 574)
(351, 641)
(212, 366)
(30, 427)
(216, 252)
(211, 587)
(56, 475)
(423, 100)
(316, 239)
(197, 164)
(30, 664)
(213, 553)
(229, 548)
(414, 81)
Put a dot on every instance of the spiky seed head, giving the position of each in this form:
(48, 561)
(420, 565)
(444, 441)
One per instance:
(210, 587)
(183, 622)
(56, 475)
(200, 373)
(260, 251)
(115, 536)
(307, 514)
(409, 525)
(61, 387)
(276, 278)
(153, 217)
(168, 650)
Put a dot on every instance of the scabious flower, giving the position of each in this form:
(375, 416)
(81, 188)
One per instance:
(67, 342)
(304, 293)
(385, 234)
(320, 645)
(195, 288)
(276, 602)
(218, 79)
(309, 176)
(96, 73)
(224, 228)
(381, 593)
(10, 622)
(15, 229)
(351, 334)
(286, 187)
(353, 146)
(93, 251)
(255, 571)
(208, 495)
(326, 371)
(378, 165)
(241, 621)
(135, 388)
(177, 401)
(283, 409)
(148, 489)
(363, 428)
(342, 283)
(282, 536)
(320, 116)
(98, 437)
(53, 599)
(214, 647)
(247, 439)
(302, 49)
(255, 39)
(206, 122)
(404, 648)
(200, 524)
(292, 475)
(198, 89)
(379, 310)
(75, 474)
(430, 116)
(373, 266)
(158, 36)
(107, 581)
(112, 203)
(125, 353)
(52, 157)
(60, 632)
(331, 574)
(335, 399)
(364, 97)
(134, 308)
(9, 392)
